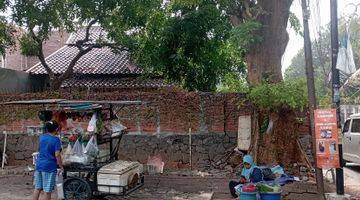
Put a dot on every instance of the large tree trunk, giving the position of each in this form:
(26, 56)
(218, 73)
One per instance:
(264, 59)
(278, 144)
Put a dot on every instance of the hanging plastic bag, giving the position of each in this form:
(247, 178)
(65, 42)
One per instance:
(59, 185)
(83, 147)
(116, 128)
(77, 149)
(92, 124)
(66, 155)
(91, 148)
(77, 154)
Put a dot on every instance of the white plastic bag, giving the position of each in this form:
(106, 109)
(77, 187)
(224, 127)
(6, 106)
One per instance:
(66, 155)
(83, 147)
(91, 148)
(77, 149)
(59, 185)
(92, 124)
(77, 154)
(117, 127)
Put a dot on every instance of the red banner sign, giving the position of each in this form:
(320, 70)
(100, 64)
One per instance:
(327, 151)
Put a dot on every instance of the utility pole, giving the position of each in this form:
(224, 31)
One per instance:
(336, 89)
(311, 90)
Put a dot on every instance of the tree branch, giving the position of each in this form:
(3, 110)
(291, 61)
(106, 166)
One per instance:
(247, 8)
(40, 54)
(70, 70)
(83, 48)
(80, 43)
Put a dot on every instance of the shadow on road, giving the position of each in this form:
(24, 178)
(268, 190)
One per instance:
(353, 167)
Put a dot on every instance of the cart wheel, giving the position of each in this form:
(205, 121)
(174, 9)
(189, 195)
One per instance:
(77, 189)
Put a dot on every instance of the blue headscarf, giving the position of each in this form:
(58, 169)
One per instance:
(246, 172)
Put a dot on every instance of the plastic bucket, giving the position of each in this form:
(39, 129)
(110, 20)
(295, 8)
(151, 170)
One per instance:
(270, 196)
(248, 195)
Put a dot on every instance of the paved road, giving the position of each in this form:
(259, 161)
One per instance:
(352, 178)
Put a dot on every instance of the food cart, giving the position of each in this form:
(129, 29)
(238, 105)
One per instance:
(103, 174)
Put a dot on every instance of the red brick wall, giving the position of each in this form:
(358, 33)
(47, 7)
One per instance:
(177, 110)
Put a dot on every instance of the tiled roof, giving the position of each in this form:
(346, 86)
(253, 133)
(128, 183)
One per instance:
(113, 82)
(97, 61)
(96, 33)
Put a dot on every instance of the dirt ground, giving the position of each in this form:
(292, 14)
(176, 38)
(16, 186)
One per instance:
(172, 185)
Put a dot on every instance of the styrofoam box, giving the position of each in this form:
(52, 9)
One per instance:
(117, 174)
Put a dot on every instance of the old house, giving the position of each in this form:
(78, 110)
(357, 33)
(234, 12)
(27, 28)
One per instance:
(99, 68)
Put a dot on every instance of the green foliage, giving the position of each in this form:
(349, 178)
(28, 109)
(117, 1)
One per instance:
(28, 46)
(189, 42)
(7, 32)
(233, 82)
(295, 23)
(43, 17)
(3, 5)
(186, 42)
(7, 36)
(243, 35)
(322, 61)
(286, 94)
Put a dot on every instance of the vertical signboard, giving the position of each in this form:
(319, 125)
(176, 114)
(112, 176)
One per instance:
(326, 132)
(244, 132)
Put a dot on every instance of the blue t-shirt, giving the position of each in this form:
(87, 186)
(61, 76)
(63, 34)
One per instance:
(46, 160)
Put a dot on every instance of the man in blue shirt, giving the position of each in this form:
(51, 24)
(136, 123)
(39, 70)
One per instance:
(48, 159)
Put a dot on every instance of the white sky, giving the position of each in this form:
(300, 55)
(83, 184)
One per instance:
(296, 42)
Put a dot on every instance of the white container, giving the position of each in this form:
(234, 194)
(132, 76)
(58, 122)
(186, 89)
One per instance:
(155, 169)
(35, 155)
(118, 173)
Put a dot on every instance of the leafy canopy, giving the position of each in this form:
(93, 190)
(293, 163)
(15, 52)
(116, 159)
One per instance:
(7, 32)
(186, 42)
(189, 42)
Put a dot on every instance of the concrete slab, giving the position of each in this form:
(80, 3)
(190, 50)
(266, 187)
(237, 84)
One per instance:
(334, 196)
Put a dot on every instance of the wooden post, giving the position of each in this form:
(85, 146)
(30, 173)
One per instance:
(335, 79)
(190, 150)
(3, 156)
(311, 90)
